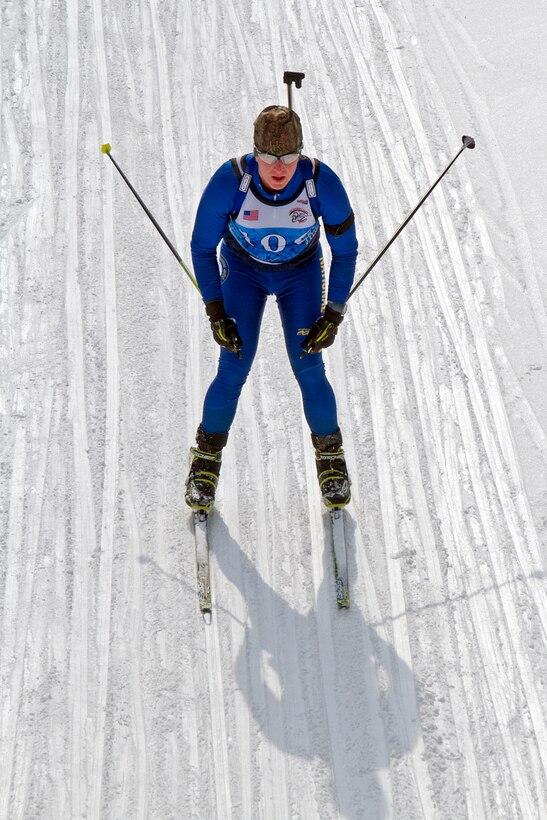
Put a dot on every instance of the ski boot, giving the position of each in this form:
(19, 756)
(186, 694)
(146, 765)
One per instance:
(332, 472)
(201, 484)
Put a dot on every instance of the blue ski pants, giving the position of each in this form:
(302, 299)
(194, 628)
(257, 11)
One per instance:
(300, 294)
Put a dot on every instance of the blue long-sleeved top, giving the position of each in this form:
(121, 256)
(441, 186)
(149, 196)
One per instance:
(217, 206)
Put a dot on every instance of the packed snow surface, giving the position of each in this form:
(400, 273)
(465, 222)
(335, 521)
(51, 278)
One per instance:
(428, 697)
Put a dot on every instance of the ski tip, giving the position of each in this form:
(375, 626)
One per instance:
(207, 616)
(468, 142)
(106, 148)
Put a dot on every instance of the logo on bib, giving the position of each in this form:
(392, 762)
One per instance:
(298, 214)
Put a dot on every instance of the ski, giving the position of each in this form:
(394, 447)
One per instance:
(202, 564)
(340, 556)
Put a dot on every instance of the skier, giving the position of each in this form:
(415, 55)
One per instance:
(264, 207)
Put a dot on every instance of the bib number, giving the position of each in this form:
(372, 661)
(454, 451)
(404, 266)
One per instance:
(273, 242)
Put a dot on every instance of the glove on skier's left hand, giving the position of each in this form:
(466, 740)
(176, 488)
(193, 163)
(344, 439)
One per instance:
(323, 332)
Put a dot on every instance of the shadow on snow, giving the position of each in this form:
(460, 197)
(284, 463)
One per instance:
(323, 684)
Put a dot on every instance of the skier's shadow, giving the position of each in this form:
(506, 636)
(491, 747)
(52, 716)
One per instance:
(323, 684)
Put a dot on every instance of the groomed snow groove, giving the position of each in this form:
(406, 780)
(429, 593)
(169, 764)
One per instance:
(427, 698)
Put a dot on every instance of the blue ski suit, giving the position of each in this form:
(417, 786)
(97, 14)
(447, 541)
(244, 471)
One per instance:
(270, 246)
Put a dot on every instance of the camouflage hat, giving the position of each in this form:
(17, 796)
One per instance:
(278, 130)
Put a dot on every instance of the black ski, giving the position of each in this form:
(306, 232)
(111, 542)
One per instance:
(202, 564)
(340, 555)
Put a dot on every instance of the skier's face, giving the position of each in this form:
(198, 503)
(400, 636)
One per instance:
(275, 177)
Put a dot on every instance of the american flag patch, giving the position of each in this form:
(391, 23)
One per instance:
(250, 215)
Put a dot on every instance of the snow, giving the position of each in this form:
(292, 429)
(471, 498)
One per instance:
(425, 699)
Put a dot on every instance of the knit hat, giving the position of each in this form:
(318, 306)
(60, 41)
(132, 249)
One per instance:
(278, 130)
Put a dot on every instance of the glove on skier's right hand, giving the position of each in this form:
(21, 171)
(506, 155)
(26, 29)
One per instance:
(224, 328)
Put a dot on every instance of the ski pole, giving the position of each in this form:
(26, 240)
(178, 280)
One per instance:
(468, 142)
(291, 77)
(106, 148)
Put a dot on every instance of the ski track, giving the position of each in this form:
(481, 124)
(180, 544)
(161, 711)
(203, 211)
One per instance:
(425, 699)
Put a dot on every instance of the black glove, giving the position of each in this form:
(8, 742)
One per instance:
(323, 332)
(224, 328)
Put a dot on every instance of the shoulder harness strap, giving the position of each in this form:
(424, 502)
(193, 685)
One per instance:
(310, 172)
(311, 188)
(239, 164)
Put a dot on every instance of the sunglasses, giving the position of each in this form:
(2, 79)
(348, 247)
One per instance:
(270, 159)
